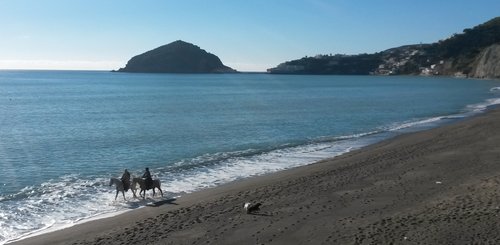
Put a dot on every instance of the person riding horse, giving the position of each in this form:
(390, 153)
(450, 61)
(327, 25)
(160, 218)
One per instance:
(125, 180)
(148, 180)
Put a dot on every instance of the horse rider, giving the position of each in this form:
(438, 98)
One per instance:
(125, 180)
(148, 180)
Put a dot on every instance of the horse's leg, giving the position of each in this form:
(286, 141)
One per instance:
(116, 194)
(133, 187)
(123, 192)
(161, 192)
(153, 192)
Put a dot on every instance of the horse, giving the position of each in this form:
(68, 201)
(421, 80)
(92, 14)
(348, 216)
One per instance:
(142, 185)
(119, 187)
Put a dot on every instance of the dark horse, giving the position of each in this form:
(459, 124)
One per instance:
(142, 185)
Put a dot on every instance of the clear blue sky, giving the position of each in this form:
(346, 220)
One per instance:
(248, 35)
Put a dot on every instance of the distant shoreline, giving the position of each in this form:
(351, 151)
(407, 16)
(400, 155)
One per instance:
(243, 72)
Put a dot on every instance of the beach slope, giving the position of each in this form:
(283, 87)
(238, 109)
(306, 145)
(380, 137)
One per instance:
(439, 186)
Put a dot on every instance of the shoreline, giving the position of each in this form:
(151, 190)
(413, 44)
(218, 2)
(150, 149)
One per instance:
(152, 202)
(405, 181)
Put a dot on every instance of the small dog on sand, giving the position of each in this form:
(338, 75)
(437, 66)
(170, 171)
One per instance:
(250, 208)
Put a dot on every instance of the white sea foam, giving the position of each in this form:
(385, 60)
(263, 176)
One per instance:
(235, 168)
(469, 110)
(410, 124)
(57, 204)
(480, 107)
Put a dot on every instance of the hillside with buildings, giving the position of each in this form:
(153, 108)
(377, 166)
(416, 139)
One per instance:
(473, 53)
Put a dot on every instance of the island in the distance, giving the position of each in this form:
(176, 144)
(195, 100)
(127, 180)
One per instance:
(176, 57)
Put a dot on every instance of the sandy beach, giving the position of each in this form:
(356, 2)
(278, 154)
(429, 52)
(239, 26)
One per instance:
(433, 187)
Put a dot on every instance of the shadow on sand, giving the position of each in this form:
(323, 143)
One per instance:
(261, 214)
(162, 202)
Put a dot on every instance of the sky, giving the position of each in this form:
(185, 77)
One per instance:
(247, 35)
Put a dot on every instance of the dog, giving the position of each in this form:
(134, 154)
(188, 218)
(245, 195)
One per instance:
(250, 208)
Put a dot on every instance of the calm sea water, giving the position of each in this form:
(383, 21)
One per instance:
(63, 134)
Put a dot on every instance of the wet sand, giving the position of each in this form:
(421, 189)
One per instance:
(439, 186)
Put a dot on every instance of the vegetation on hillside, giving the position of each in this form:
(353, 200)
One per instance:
(455, 54)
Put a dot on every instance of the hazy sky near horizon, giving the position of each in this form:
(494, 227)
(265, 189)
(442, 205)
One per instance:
(245, 35)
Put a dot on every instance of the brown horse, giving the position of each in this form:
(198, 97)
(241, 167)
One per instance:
(142, 185)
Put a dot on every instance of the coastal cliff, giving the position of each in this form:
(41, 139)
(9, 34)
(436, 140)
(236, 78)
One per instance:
(176, 57)
(473, 53)
(488, 63)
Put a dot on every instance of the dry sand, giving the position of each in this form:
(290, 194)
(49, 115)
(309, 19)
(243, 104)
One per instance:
(434, 187)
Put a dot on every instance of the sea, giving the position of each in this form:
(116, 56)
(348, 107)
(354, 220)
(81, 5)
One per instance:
(64, 134)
